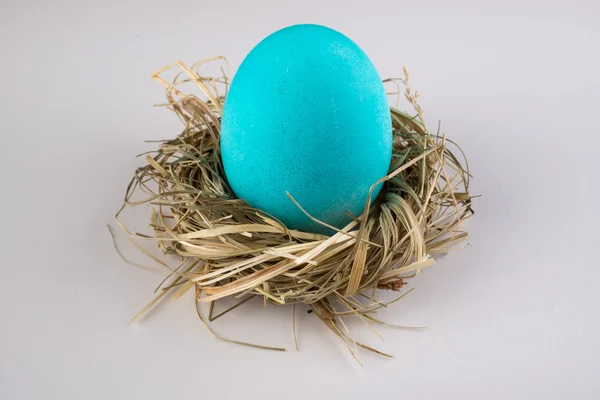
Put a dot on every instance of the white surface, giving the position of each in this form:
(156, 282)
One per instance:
(516, 315)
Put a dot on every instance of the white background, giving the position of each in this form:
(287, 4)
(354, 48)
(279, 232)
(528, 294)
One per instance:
(515, 315)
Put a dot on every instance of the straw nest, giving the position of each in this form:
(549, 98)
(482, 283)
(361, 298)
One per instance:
(226, 248)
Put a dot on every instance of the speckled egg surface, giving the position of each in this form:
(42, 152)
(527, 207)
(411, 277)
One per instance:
(306, 113)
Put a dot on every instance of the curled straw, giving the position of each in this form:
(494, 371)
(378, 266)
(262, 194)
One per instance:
(228, 248)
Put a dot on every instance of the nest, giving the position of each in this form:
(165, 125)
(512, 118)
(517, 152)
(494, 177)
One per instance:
(227, 248)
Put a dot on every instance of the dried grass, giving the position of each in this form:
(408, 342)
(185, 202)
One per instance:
(228, 248)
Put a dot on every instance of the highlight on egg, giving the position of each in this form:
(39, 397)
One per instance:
(306, 114)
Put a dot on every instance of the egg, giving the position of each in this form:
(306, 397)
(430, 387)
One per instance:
(306, 113)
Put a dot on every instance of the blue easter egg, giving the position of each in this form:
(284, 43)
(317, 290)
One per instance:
(306, 113)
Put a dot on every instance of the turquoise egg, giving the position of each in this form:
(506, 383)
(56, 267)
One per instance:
(306, 113)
